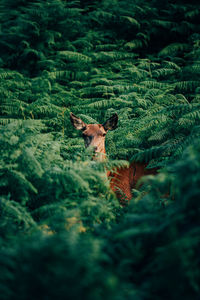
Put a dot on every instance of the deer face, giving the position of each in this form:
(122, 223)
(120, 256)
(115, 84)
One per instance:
(94, 134)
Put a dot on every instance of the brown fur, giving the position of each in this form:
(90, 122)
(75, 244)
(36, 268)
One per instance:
(122, 180)
(98, 133)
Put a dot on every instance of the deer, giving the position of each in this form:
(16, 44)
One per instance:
(122, 180)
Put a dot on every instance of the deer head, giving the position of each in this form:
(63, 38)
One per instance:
(94, 134)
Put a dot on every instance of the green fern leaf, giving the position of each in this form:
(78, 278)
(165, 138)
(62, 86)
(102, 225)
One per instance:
(173, 49)
(74, 56)
(130, 20)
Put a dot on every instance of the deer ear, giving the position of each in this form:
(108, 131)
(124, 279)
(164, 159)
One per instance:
(111, 123)
(77, 122)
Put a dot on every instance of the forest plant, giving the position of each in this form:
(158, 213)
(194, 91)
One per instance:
(141, 61)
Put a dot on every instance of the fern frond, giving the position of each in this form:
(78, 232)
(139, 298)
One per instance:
(14, 217)
(143, 36)
(74, 56)
(69, 75)
(112, 56)
(173, 49)
(31, 54)
(106, 47)
(189, 118)
(6, 121)
(42, 107)
(20, 185)
(14, 108)
(151, 94)
(193, 69)
(183, 28)
(149, 154)
(160, 136)
(163, 72)
(175, 110)
(156, 85)
(140, 88)
(147, 64)
(82, 44)
(171, 64)
(10, 74)
(192, 14)
(163, 23)
(101, 81)
(130, 20)
(134, 44)
(99, 90)
(88, 119)
(102, 104)
(100, 16)
(196, 99)
(181, 98)
(191, 139)
(186, 86)
(135, 73)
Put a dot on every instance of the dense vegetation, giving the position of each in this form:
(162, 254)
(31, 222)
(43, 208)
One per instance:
(64, 234)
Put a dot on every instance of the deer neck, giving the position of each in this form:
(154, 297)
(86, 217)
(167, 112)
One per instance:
(101, 155)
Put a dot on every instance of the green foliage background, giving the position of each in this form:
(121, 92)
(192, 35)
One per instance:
(63, 233)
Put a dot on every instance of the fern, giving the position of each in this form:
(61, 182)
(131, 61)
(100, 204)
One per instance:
(186, 86)
(135, 44)
(192, 14)
(155, 84)
(173, 49)
(112, 56)
(14, 218)
(74, 56)
(163, 23)
(141, 61)
(164, 72)
(69, 75)
(130, 20)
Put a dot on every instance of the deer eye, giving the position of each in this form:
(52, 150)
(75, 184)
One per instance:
(104, 134)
